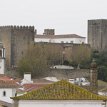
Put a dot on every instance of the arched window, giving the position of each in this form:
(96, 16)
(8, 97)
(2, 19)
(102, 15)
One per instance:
(4, 93)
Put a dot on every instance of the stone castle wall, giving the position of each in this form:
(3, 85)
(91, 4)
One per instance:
(16, 40)
(70, 52)
(97, 34)
(6, 43)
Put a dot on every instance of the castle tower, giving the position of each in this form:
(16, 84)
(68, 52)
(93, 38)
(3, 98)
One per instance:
(49, 32)
(2, 59)
(16, 40)
(97, 34)
(93, 77)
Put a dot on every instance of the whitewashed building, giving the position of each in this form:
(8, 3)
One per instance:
(7, 90)
(61, 94)
(67, 38)
(2, 59)
(50, 37)
(103, 92)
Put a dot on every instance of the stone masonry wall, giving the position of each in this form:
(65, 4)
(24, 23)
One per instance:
(16, 40)
(97, 34)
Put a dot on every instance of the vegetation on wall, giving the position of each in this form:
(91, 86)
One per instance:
(38, 59)
(101, 60)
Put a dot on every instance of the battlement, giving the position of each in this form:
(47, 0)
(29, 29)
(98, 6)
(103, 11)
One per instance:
(17, 27)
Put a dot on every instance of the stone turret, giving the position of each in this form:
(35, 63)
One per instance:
(49, 32)
(93, 77)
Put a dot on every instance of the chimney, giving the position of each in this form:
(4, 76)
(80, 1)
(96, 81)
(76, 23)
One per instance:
(49, 32)
(27, 78)
(93, 77)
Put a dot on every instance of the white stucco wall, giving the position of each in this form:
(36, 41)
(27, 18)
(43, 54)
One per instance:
(102, 93)
(60, 40)
(64, 103)
(9, 93)
(2, 66)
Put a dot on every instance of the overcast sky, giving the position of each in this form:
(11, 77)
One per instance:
(66, 16)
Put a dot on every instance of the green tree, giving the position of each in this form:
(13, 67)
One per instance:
(101, 60)
(38, 59)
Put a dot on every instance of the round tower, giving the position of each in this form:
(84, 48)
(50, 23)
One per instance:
(93, 77)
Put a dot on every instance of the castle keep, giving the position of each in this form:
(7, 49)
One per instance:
(16, 40)
(97, 34)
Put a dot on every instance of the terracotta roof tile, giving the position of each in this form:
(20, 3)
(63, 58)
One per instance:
(61, 90)
(8, 84)
(30, 87)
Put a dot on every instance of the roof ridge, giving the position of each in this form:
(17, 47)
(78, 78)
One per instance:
(61, 90)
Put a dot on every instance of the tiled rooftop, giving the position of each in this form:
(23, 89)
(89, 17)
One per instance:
(30, 87)
(61, 90)
(7, 82)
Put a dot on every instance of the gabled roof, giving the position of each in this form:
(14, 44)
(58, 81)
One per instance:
(8, 84)
(61, 90)
(59, 36)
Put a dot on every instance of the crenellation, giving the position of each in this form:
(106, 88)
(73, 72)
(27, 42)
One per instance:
(17, 27)
(16, 40)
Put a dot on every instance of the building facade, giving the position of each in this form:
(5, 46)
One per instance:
(62, 94)
(50, 37)
(2, 59)
(7, 89)
(16, 40)
(62, 103)
(97, 34)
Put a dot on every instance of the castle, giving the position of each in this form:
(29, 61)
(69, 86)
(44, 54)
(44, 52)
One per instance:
(18, 39)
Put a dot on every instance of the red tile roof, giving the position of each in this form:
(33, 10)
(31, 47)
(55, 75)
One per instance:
(30, 87)
(7, 82)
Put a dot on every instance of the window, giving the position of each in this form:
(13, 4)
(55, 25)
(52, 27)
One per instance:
(71, 41)
(4, 93)
(62, 41)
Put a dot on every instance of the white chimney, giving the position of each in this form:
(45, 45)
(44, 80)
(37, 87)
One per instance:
(27, 78)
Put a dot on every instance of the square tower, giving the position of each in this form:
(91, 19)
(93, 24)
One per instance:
(16, 41)
(97, 34)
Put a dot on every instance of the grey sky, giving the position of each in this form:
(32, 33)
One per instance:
(66, 16)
